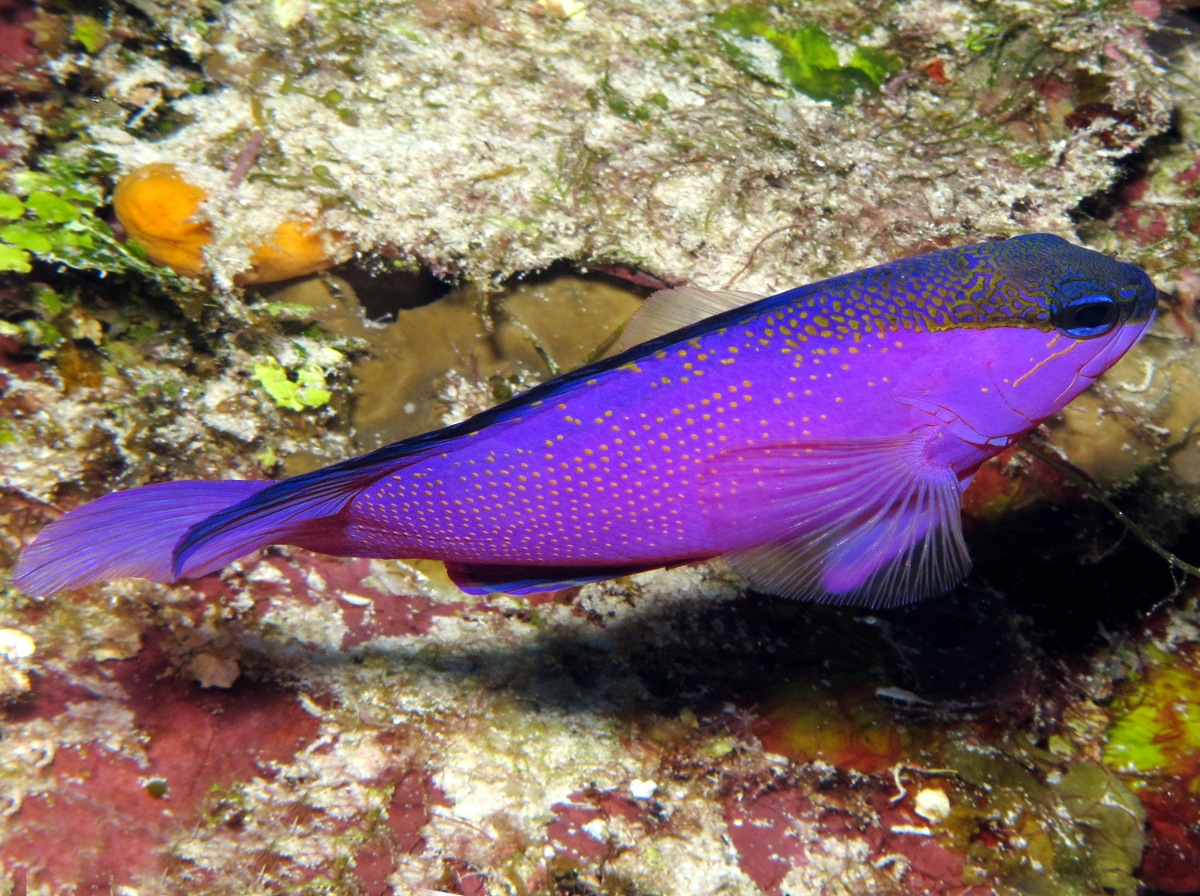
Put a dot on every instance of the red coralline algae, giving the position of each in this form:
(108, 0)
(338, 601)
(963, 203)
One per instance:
(570, 838)
(11, 356)
(936, 72)
(97, 823)
(51, 697)
(1145, 226)
(568, 832)
(930, 865)
(98, 828)
(779, 830)
(198, 738)
(366, 612)
(1189, 175)
(770, 832)
(1147, 9)
(1011, 481)
(375, 613)
(16, 38)
(1171, 862)
(410, 809)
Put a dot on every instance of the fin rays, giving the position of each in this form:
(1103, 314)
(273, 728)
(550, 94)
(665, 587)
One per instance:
(857, 523)
(672, 309)
(130, 533)
(281, 514)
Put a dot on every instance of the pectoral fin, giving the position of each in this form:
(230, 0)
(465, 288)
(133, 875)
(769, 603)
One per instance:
(871, 522)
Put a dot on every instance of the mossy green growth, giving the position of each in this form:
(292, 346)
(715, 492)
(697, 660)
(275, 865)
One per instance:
(606, 95)
(1107, 821)
(802, 59)
(56, 319)
(53, 215)
(1079, 827)
(307, 390)
(1156, 727)
(89, 31)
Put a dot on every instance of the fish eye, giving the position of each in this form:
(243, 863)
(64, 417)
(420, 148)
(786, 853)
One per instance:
(1087, 316)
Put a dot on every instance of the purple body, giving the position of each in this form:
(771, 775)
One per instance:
(820, 439)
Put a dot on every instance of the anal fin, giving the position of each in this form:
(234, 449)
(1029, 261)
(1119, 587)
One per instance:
(479, 579)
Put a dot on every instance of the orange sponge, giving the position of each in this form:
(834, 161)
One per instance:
(294, 250)
(161, 210)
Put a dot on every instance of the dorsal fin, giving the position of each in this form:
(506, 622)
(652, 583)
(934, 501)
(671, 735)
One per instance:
(669, 309)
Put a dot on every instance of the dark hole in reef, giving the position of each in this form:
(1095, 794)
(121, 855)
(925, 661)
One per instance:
(383, 292)
(630, 279)
(1049, 586)
(1105, 204)
(1176, 30)
(445, 351)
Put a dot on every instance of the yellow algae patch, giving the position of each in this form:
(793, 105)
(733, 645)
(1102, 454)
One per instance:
(1156, 724)
(161, 211)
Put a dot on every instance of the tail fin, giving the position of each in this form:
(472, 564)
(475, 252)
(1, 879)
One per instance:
(181, 530)
(130, 533)
(303, 511)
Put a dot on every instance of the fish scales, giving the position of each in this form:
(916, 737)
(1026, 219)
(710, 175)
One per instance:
(612, 473)
(819, 438)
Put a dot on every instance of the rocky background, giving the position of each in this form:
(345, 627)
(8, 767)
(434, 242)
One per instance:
(248, 238)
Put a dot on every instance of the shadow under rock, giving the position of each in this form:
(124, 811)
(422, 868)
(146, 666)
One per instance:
(975, 646)
(1032, 609)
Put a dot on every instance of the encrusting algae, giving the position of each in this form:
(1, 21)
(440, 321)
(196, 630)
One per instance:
(162, 211)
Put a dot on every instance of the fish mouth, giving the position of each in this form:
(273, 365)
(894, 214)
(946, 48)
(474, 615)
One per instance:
(1098, 356)
(1066, 367)
(1122, 339)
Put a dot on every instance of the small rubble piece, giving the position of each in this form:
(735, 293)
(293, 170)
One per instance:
(932, 804)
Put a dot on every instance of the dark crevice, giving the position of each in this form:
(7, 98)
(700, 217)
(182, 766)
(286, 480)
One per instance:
(384, 292)
(1104, 205)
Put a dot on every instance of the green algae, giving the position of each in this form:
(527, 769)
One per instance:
(617, 103)
(55, 215)
(1078, 827)
(90, 32)
(305, 388)
(1106, 844)
(801, 58)
(1156, 722)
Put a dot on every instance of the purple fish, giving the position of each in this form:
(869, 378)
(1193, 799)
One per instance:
(819, 439)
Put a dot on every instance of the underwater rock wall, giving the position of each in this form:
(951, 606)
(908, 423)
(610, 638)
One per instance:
(482, 140)
(307, 725)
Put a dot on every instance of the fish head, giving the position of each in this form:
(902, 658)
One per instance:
(1077, 312)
